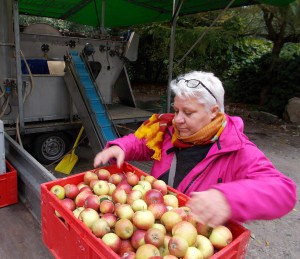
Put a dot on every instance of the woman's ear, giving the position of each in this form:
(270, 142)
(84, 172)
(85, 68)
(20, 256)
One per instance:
(214, 111)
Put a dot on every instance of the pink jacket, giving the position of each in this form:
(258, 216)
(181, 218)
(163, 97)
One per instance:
(254, 188)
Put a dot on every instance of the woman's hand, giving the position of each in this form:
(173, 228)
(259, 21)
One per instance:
(112, 152)
(209, 207)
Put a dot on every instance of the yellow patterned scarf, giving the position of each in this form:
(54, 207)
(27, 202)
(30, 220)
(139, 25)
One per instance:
(154, 129)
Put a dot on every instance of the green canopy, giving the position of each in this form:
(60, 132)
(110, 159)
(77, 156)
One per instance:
(125, 12)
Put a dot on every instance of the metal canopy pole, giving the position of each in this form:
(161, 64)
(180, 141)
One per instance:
(18, 65)
(176, 9)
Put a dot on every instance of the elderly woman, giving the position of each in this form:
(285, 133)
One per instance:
(203, 152)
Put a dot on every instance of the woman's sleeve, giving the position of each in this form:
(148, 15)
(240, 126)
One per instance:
(260, 191)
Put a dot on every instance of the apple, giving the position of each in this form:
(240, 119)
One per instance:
(71, 190)
(203, 229)
(124, 228)
(177, 246)
(100, 227)
(137, 238)
(205, 246)
(160, 226)
(171, 200)
(103, 174)
(124, 185)
(115, 179)
(153, 196)
(170, 257)
(77, 211)
(58, 191)
(145, 184)
(127, 255)
(81, 185)
(80, 198)
(193, 253)
(113, 241)
(68, 204)
(158, 209)
(92, 201)
(119, 195)
(106, 206)
(150, 178)
(124, 211)
(112, 187)
(111, 219)
(186, 230)
(89, 176)
(139, 204)
(154, 236)
(134, 195)
(126, 247)
(169, 219)
(101, 187)
(220, 237)
(85, 188)
(181, 212)
(164, 250)
(146, 251)
(143, 219)
(161, 186)
(132, 178)
(139, 188)
(88, 216)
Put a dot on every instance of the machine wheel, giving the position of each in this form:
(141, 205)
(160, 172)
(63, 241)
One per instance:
(50, 147)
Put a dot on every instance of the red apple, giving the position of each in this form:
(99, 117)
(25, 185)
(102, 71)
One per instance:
(143, 219)
(193, 253)
(58, 191)
(92, 201)
(119, 196)
(161, 186)
(101, 187)
(132, 178)
(115, 179)
(110, 218)
(203, 229)
(153, 196)
(154, 236)
(126, 247)
(80, 198)
(186, 230)
(205, 246)
(113, 241)
(107, 206)
(220, 237)
(68, 204)
(158, 209)
(124, 211)
(85, 188)
(177, 246)
(128, 255)
(88, 216)
(81, 185)
(181, 212)
(89, 176)
(146, 251)
(137, 238)
(103, 174)
(124, 228)
(169, 219)
(71, 190)
(100, 227)
(124, 185)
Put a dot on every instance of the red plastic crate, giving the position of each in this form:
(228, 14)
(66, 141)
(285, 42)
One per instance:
(70, 238)
(8, 186)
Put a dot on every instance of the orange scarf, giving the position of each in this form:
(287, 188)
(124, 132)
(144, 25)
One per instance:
(153, 131)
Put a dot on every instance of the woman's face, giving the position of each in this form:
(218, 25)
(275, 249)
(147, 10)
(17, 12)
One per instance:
(191, 116)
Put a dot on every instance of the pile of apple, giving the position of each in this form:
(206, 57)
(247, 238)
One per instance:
(137, 217)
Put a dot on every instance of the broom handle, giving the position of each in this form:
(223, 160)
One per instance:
(77, 139)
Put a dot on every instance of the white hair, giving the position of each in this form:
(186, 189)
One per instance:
(204, 96)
